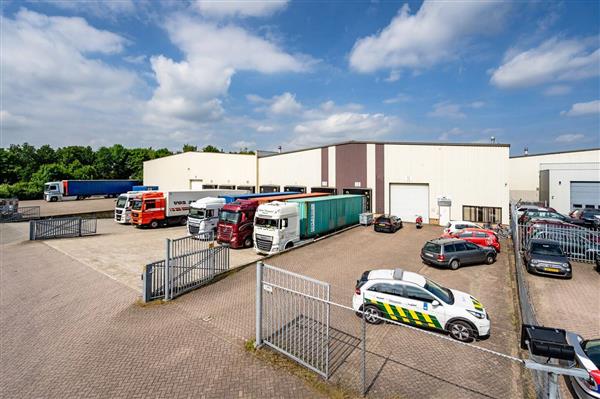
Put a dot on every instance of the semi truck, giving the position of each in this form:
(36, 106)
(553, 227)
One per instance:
(204, 215)
(281, 225)
(124, 202)
(236, 221)
(163, 208)
(81, 189)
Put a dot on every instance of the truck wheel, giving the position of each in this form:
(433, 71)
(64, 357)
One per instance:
(248, 242)
(454, 265)
(154, 224)
(53, 199)
(289, 245)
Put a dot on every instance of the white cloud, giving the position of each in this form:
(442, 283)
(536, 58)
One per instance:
(581, 109)
(343, 126)
(447, 110)
(242, 144)
(285, 104)
(555, 60)
(455, 131)
(96, 7)
(189, 90)
(569, 138)
(400, 98)
(477, 104)
(437, 32)
(557, 90)
(233, 8)
(265, 129)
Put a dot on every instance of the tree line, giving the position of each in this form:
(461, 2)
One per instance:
(24, 169)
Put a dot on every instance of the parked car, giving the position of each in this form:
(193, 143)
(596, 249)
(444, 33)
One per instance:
(575, 244)
(387, 223)
(542, 214)
(455, 225)
(411, 298)
(587, 357)
(546, 257)
(522, 208)
(454, 253)
(589, 218)
(482, 237)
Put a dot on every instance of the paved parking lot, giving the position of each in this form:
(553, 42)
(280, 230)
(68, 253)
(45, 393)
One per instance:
(401, 362)
(72, 207)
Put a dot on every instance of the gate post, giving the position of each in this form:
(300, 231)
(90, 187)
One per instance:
(167, 268)
(259, 277)
(31, 230)
(80, 220)
(146, 283)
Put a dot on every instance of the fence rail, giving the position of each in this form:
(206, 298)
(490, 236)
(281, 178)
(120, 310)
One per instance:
(189, 263)
(61, 228)
(22, 213)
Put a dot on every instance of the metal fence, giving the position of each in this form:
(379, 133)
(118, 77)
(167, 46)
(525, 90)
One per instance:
(22, 213)
(189, 263)
(580, 244)
(295, 317)
(61, 228)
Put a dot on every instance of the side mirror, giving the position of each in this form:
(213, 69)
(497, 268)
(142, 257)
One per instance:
(435, 303)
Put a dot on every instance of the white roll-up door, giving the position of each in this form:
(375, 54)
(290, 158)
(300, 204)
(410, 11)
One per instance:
(195, 184)
(585, 194)
(409, 200)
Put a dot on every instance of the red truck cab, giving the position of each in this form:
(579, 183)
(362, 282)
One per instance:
(236, 223)
(148, 209)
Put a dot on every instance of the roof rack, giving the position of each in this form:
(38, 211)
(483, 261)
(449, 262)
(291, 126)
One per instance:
(398, 273)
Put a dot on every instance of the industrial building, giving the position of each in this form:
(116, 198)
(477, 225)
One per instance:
(438, 181)
(563, 180)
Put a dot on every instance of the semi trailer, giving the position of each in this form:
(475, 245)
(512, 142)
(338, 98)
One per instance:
(232, 198)
(163, 208)
(81, 189)
(236, 221)
(281, 225)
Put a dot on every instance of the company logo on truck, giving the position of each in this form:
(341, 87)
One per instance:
(312, 217)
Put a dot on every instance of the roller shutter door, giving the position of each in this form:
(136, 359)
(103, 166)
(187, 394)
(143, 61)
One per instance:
(409, 200)
(585, 194)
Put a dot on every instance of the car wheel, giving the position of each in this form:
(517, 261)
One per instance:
(373, 315)
(248, 242)
(455, 264)
(154, 224)
(461, 331)
(489, 259)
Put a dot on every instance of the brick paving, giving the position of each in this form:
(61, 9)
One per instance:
(68, 331)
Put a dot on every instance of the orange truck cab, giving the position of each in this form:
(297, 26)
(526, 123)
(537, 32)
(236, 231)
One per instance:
(148, 209)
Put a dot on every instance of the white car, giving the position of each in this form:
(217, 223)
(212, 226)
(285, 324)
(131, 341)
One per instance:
(411, 298)
(455, 225)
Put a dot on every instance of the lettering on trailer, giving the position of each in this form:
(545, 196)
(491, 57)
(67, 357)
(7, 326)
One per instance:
(408, 316)
(312, 217)
(181, 208)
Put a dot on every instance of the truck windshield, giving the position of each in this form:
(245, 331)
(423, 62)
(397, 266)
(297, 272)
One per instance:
(266, 222)
(137, 205)
(121, 201)
(441, 292)
(229, 217)
(50, 187)
(197, 213)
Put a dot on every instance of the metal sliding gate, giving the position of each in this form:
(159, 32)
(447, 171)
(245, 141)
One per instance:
(189, 263)
(293, 314)
(61, 228)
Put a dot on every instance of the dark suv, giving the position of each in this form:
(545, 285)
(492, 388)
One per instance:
(388, 223)
(453, 253)
(546, 257)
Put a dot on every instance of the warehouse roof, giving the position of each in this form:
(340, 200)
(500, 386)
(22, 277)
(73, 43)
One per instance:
(389, 142)
(555, 152)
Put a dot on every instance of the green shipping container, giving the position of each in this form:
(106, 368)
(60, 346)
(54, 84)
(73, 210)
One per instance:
(322, 215)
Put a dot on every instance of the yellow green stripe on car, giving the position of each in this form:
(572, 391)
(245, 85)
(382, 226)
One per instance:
(408, 316)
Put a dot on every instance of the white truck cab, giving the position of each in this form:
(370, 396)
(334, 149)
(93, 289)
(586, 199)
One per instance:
(204, 215)
(123, 206)
(276, 227)
(53, 191)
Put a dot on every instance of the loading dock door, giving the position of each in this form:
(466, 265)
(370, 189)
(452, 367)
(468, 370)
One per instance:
(585, 194)
(409, 200)
(195, 184)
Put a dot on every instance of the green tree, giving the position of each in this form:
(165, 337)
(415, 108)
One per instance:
(189, 148)
(210, 148)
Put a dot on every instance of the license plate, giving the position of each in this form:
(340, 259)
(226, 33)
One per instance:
(551, 269)
(381, 225)
(430, 255)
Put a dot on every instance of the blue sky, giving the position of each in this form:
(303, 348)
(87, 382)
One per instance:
(300, 73)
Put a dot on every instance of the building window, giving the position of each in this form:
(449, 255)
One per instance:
(248, 188)
(269, 189)
(482, 214)
(226, 187)
(209, 186)
(299, 189)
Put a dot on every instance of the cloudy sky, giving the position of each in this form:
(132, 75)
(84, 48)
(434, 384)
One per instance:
(300, 73)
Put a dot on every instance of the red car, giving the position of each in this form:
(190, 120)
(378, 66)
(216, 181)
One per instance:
(481, 237)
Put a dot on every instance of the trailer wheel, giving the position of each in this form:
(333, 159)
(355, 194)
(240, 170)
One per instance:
(154, 224)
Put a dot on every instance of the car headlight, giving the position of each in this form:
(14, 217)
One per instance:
(535, 261)
(479, 315)
(566, 265)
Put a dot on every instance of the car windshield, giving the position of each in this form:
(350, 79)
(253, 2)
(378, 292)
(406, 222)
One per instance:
(197, 213)
(383, 220)
(266, 222)
(431, 247)
(229, 217)
(592, 350)
(546, 249)
(121, 201)
(441, 292)
(137, 205)
(591, 213)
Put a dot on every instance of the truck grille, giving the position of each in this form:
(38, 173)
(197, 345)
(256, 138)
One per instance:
(193, 229)
(264, 243)
(225, 233)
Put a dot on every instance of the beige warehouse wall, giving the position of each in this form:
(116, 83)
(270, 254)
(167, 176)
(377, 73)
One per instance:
(176, 171)
(524, 171)
(469, 175)
(302, 168)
